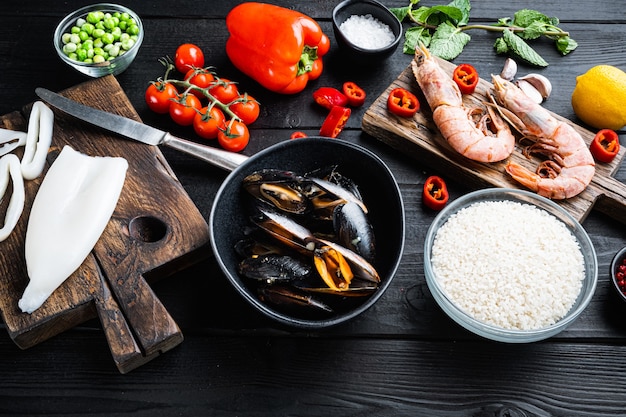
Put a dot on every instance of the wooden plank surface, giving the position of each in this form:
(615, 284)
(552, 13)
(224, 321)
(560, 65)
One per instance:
(403, 357)
(155, 229)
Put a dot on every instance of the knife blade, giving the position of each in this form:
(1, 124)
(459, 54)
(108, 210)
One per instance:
(141, 132)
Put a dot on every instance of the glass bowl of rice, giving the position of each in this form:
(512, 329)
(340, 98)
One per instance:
(366, 31)
(509, 265)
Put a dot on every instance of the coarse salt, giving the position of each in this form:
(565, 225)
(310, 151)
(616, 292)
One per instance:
(508, 264)
(367, 32)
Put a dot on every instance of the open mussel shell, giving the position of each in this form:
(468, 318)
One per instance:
(229, 220)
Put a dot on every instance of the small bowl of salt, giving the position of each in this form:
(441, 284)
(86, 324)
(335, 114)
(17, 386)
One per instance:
(366, 30)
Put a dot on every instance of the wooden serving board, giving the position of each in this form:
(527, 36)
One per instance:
(155, 230)
(420, 138)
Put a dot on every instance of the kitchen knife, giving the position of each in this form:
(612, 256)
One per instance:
(141, 132)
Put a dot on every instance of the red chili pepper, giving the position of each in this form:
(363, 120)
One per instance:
(356, 95)
(298, 135)
(329, 97)
(435, 195)
(335, 121)
(605, 145)
(466, 77)
(402, 102)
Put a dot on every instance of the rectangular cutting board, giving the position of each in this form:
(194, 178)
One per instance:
(155, 230)
(420, 138)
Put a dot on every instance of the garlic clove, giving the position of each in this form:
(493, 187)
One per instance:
(541, 83)
(509, 69)
(530, 90)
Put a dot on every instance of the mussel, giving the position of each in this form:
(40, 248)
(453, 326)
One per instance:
(279, 188)
(321, 243)
(354, 230)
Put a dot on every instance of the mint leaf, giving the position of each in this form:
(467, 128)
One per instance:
(533, 31)
(413, 36)
(500, 46)
(522, 50)
(448, 42)
(401, 12)
(526, 17)
(565, 45)
(464, 6)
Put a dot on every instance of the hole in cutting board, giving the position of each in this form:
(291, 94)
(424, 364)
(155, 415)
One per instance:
(147, 229)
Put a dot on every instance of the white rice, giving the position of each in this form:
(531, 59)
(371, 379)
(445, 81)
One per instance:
(508, 264)
(367, 32)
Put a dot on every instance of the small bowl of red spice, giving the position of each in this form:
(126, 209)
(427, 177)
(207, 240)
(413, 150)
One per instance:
(618, 273)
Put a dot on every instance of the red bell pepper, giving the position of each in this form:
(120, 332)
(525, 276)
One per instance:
(466, 77)
(281, 49)
(402, 102)
(328, 97)
(335, 121)
(356, 95)
(435, 194)
(605, 145)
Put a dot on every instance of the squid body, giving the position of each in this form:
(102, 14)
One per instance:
(71, 209)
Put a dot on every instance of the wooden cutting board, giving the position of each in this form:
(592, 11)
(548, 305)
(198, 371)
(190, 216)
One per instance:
(155, 230)
(420, 138)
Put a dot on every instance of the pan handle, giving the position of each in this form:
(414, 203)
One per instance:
(218, 157)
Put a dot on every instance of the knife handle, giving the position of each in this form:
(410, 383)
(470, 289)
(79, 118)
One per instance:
(218, 157)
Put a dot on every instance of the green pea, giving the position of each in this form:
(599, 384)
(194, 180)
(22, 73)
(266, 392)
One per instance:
(94, 17)
(100, 25)
(75, 30)
(81, 54)
(83, 36)
(97, 43)
(133, 29)
(74, 38)
(127, 44)
(98, 59)
(69, 48)
(88, 28)
(65, 38)
(108, 38)
(116, 32)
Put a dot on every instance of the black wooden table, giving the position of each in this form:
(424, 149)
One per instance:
(403, 357)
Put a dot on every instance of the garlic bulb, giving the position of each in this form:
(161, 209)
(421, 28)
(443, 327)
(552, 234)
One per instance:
(71, 209)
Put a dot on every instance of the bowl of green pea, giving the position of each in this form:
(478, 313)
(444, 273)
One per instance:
(99, 39)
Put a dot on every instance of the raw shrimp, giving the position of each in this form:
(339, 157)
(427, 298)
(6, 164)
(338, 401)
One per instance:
(467, 130)
(570, 165)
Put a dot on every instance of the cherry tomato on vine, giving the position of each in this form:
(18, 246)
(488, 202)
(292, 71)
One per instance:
(224, 90)
(159, 96)
(188, 56)
(208, 122)
(200, 77)
(235, 137)
(246, 108)
(184, 109)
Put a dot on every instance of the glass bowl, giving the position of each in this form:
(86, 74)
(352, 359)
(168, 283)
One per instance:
(112, 66)
(491, 331)
(617, 261)
(355, 50)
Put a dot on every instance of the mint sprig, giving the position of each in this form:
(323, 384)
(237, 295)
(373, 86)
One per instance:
(442, 29)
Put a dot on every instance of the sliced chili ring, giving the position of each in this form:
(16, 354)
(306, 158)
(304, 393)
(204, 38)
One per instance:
(335, 121)
(402, 102)
(605, 145)
(356, 95)
(435, 194)
(466, 77)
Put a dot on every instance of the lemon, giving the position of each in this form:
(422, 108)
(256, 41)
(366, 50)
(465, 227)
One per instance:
(599, 98)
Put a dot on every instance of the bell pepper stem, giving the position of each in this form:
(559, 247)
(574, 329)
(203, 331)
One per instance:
(309, 55)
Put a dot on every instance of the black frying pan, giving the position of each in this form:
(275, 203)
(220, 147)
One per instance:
(229, 217)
